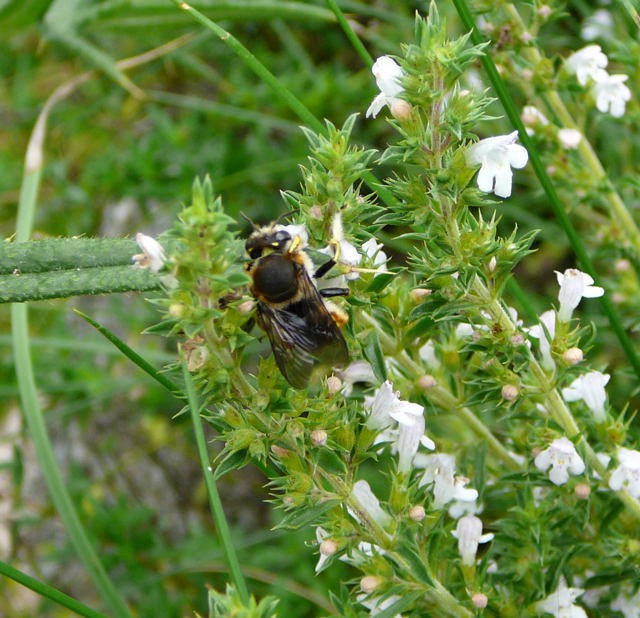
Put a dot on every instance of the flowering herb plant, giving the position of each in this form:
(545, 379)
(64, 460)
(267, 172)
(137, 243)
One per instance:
(469, 458)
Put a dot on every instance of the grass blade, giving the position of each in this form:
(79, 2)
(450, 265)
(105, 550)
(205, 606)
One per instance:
(214, 498)
(538, 166)
(48, 592)
(351, 35)
(133, 356)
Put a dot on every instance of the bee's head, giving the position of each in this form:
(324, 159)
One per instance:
(269, 239)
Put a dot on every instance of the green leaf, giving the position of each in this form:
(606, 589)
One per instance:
(373, 353)
(307, 516)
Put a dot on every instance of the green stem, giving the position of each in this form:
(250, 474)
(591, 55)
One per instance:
(214, 498)
(66, 283)
(48, 592)
(540, 170)
(351, 35)
(281, 91)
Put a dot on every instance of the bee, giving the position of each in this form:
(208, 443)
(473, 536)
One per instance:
(303, 328)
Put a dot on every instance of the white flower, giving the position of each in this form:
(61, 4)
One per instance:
(590, 388)
(532, 116)
(496, 156)
(362, 553)
(574, 286)
(627, 474)
(342, 251)
(469, 534)
(410, 436)
(358, 371)
(427, 353)
(440, 470)
(627, 605)
(458, 508)
(376, 605)
(569, 138)
(598, 25)
(299, 230)
(464, 329)
(545, 332)
(370, 505)
(563, 459)
(321, 535)
(588, 62)
(152, 256)
(388, 74)
(379, 406)
(560, 602)
(373, 250)
(611, 94)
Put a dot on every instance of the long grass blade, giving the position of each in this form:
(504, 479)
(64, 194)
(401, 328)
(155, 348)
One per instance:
(538, 166)
(214, 498)
(133, 356)
(48, 592)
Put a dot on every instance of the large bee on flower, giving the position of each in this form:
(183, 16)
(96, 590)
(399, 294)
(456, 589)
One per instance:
(303, 327)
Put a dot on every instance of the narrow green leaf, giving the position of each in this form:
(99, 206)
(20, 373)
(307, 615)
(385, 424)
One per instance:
(373, 353)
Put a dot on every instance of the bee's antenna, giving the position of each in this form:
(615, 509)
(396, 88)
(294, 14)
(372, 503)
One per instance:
(285, 215)
(253, 225)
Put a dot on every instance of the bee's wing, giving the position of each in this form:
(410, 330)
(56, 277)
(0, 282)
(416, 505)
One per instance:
(303, 335)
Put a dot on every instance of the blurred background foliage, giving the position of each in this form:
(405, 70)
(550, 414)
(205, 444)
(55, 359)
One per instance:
(122, 160)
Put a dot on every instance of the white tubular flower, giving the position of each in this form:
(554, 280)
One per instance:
(388, 74)
(627, 604)
(569, 138)
(459, 507)
(548, 322)
(588, 62)
(469, 535)
(590, 389)
(574, 286)
(340, 249)
(410, 437)
(611, 94)
(560, 602)
(440, 470)
(380, 405)
(598, 25)
(496, 156)
(563, 459)
(321, 535)
(373, 250)
(361, 492)
(627, 475)
(427, 354)
(152, 256)
(358, 371)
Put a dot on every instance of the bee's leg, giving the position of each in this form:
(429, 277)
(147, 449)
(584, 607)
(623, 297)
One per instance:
(324, 269)
(329, 292)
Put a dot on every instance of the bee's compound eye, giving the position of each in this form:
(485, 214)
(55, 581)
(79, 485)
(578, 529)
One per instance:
(255, 253)
(281, 236)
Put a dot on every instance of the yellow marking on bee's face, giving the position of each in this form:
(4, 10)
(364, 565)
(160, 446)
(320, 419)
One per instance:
(295, 243)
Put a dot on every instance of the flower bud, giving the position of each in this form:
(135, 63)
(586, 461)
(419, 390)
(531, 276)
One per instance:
(328, 547)
(246, 307)
(369, 583)
(278, 451)
(418, 293)
(569, 138)
(517, 339)
(315, 212)
(622, 265)
(417, 512)
(510, 392)
(527, 74)
(492, 264)
(334, 384)
(319, 437)
(572, 356)
(400, 109)
(176, 310)
(426, 382)
(526, 37)
(480, 600)
(582, 490)
(544, 11)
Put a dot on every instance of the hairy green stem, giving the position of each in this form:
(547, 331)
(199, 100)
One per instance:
(48, 592)
(565, 222)
(214, 498)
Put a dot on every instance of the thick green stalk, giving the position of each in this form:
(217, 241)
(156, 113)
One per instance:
(214, 498)
(540, 171)
(81, 282)
(48, 592)
(280, 90)
(351, 35)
